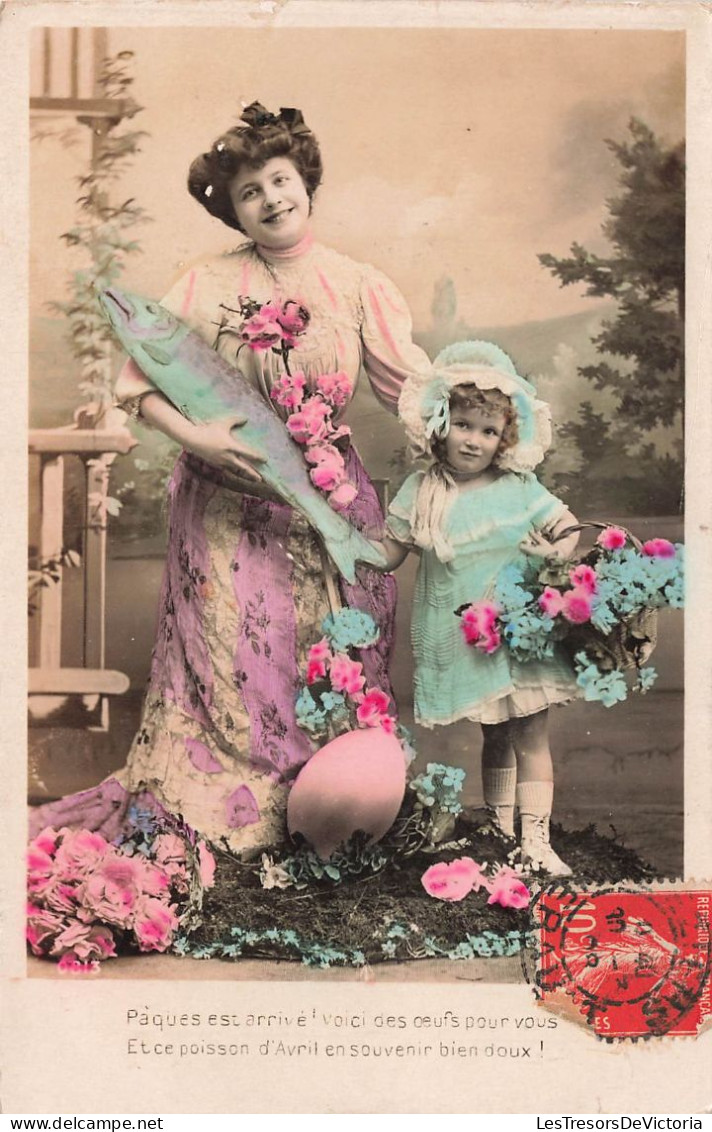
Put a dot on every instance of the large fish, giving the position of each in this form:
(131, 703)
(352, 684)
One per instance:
(205, 387)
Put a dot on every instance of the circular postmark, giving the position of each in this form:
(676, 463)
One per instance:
(635, 963)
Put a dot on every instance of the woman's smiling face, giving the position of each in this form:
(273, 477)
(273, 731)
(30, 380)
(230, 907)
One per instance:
(271, 203)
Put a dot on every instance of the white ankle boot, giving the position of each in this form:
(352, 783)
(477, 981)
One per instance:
(534, 800)
(499, 786)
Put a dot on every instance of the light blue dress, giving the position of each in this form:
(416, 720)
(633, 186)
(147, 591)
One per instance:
(454, 680)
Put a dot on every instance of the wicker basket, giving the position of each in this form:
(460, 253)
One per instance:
(633, 639)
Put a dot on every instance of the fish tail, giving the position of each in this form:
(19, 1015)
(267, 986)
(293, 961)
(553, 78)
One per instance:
(346, 552)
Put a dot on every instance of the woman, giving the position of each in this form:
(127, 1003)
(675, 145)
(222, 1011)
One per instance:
(245, 588)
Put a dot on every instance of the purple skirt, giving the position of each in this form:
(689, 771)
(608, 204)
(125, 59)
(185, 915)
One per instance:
(242, 601)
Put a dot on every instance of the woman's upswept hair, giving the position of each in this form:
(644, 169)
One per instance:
(251, 145)
(490, 402)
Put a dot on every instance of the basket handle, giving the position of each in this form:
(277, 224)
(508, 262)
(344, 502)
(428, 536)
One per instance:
(596, 525)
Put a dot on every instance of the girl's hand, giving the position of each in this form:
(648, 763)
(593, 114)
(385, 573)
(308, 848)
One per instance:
(536, 545)
(215, 443)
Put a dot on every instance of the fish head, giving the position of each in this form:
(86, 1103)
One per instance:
(145, 329)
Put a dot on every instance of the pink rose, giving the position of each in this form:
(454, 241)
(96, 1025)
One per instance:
(551, 601)
(508, 889)
(325, 477)
(316, 670)
(320, 651)
(63, 897)
(372, 708)
(85, 942)
(478, 624)
(206, 865)
(584, 577)
(453, 880)
(310, 423)
(324, 454)
(42, 927)
(79, 852)
(289, 391)
(335, 387)
(46, 841)
(342, 495)
(613, 538)
(388, 723)
(154, 925)
(346, 675)
(263, 330)
(293, 319)
(576, 606)
(112, 891)
(659, 548)
(40, 869)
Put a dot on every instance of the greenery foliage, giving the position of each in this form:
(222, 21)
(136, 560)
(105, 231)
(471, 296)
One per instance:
(642, 348)
(102, 232)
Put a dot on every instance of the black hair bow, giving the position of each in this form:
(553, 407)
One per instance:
(257, 117)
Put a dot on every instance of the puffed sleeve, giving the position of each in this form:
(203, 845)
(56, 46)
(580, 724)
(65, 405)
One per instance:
(389, 353)
(543, 507)
(401, 511)
(182, 301)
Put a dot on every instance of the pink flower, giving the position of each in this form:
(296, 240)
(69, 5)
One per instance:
(613, 538)
(388, 724)
(508, 889)
(46, 841)
(326, 477)
(453, 880)
(324, 454)
(551, 601)
(346, 675)
(289, 391)
(263, 330)
(659, 548)
(154, 925)
(373, 708)
(310, 423)
(85, 942)
(320, 651)
(112, 891)
(342, 495)
(335, 387)
(585, 577)
(293, 320)
(79, 852)
(40, 869)
(206, 865)
(478, 624)
(316, 670)
(62, 897)
(42, 927)
(576, 606)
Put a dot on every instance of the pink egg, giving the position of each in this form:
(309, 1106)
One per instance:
(355, 782)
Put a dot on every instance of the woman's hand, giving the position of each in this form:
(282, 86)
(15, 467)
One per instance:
(216, 443)
(213, 442)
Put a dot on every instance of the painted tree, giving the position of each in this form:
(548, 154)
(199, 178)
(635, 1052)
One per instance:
(642, 348)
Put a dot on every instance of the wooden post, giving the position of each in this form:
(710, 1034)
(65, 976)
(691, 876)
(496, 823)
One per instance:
(51, 537)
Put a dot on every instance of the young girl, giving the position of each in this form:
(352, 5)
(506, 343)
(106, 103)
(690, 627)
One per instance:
(473, 512)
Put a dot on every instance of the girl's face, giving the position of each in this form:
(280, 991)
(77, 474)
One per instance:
(271, 203)
(473, 440)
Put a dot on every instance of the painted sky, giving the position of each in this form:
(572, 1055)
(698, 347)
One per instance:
(460, 152)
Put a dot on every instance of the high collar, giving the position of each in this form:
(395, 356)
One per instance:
(286, 255)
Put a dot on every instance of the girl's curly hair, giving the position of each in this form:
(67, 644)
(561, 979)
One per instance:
(490, 402)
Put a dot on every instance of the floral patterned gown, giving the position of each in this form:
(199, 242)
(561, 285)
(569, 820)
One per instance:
(244, 593)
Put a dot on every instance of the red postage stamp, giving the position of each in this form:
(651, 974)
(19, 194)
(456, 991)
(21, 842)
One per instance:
(636, 964)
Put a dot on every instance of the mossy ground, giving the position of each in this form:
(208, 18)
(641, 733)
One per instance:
(356, 914)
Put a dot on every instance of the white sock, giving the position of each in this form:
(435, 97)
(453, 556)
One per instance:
(499, 787)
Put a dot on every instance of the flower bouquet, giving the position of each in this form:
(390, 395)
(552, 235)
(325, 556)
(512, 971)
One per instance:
(88, 898)
(601, 609)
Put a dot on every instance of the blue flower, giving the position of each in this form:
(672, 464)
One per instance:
(350, 628)
(646, 679)
(309, 715)
(607, 688)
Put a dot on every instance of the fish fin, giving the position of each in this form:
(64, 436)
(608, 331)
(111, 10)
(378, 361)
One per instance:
(347, 552)
(156, 354)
